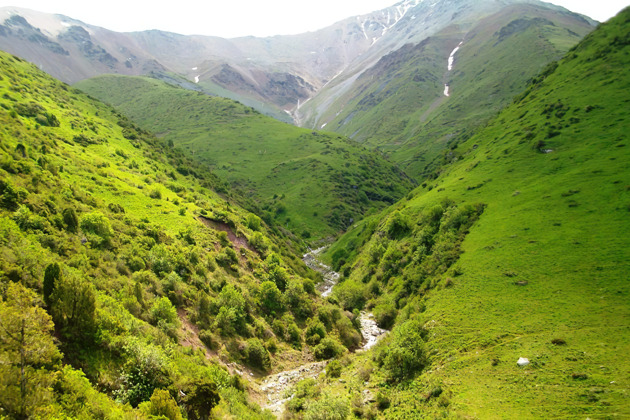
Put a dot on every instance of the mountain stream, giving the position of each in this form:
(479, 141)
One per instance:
(275, 386)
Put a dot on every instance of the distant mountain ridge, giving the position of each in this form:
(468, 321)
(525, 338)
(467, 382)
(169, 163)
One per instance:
(276, 75)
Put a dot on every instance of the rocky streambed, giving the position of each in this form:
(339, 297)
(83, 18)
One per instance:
(275, 386)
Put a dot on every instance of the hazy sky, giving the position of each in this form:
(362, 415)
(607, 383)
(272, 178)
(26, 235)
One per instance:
(231, 18)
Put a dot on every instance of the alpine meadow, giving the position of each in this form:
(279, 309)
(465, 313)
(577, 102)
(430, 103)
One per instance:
(420, 212)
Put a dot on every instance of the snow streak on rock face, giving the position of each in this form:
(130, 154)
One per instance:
(449, 66)
(451, 58)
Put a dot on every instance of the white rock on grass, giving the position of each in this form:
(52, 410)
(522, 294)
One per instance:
(522, 361)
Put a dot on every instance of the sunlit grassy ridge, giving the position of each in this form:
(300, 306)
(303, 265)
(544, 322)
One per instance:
(541, 272)
(154, 282)
(316, 184)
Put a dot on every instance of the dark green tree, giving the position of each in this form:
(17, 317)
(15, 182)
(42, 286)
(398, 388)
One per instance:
(71, 220)
(73, 305)
(200, 399)
(52, 275)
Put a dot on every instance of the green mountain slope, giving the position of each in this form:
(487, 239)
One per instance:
(315, 184)
(520, 248)
(399, 105)
(128, 287)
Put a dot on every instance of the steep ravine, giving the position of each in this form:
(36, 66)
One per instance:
(275, 386)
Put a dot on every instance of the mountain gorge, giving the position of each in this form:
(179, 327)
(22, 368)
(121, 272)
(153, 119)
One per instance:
(471, 188)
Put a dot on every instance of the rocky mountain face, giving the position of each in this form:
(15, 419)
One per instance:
(298, 78)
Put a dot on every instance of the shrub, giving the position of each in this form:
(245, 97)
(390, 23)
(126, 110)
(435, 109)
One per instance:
(315, 331)
(382, 401)
(97, 229)
(71, 220)
(162, 404)
(257, 355)
(270, 297)
(405, 355)
(327, 349)
(327, 408)
(333, 369)
(10, 197)
(397, 226)
(200, 399)
(384, 315)
(258, 241)
(164, 312)
(160, 259)
(279, 276)
(349, 336)
(26, 220)
(351, 295)
(156, 193)
(253, 222)
(73, 306)
(302, 391)
(52, 275)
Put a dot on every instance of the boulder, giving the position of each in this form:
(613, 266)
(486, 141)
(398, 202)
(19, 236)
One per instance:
(522, 361)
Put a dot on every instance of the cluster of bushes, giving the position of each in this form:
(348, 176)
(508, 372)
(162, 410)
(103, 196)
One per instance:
(406, 258)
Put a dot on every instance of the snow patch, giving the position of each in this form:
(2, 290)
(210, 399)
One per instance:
(194, 68)
(451, 58)
(323, 125)
(446, 90)
(196, 79)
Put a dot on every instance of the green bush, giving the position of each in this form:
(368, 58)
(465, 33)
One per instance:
(404, 356)
(270, 297)
(302, 392)
(327, 349)
(162, 405)
(70, 219)
(349, 336)
(398, 225)
(333, 369)
(97, 229)
(385, 315)
(315, 332)
(257, 355)
(10, 197)
(327, 408)
(164, 315)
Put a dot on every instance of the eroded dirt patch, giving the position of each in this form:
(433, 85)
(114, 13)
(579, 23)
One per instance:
(237, 241)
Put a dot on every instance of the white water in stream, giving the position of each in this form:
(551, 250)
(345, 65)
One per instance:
(275, 386)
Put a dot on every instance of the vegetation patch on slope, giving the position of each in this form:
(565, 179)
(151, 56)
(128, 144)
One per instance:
(315, 184)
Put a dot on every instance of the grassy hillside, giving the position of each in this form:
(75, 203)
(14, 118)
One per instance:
(130, 287)
(315, 184)
(520, 248)
(399, 106)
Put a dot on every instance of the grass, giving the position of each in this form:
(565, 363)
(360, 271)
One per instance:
(61, 150)
(312, 183)
(547, 260)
